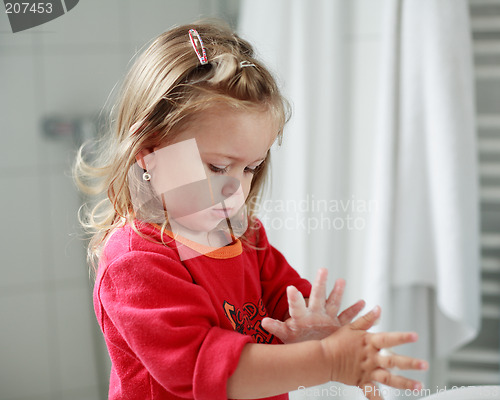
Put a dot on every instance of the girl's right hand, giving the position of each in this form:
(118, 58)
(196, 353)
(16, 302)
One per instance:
(355, 359)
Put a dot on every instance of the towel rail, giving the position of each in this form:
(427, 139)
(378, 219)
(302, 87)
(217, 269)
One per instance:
(490, 170)
(478, 363)
(486, 24)
(488, 121)
(479, 356)
(469, 376)
(487, 48)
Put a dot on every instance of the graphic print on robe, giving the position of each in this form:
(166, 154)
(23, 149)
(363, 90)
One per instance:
(248, 320)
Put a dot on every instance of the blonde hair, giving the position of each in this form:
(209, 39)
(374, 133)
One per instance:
(164, 89)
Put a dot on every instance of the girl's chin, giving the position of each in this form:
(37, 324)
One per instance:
(199, 224)
(205, 220)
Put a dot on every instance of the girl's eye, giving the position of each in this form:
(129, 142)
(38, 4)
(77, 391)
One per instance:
(218, 169)
(253, 170)
(221, 169)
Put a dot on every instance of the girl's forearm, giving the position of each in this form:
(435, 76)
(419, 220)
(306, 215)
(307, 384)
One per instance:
(267, 370)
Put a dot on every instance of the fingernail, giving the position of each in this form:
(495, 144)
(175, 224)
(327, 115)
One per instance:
(423, 365)
(417, 386)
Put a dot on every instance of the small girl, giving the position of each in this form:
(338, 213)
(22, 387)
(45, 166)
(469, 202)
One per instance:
(192, 299)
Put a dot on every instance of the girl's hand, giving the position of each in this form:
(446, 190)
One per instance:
(355, 359)
(315, 320)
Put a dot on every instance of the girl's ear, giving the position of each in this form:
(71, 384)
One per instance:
(145, 158)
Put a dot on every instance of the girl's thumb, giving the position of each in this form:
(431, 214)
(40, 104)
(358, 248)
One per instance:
(368, 320)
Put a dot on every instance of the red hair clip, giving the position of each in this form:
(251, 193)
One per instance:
(202, 55)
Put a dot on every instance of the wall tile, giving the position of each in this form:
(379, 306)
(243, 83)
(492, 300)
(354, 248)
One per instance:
(90, 22)
(74, 331)
(79, 83)
(24, 370)
(149, 19)
(90, 393)
(76, 86)
(13, 42)
(67, 244)
(18, 109)
(22, 236)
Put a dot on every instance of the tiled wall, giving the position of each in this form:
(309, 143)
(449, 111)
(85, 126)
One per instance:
(50, 347)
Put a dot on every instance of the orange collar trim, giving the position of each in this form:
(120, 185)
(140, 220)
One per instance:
(232, 250)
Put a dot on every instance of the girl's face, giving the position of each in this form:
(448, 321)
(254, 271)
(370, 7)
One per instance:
(230, 145)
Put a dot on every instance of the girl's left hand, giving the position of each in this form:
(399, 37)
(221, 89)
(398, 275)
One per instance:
(317, 319)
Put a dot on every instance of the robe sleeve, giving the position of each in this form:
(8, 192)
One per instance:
(276, 275)
(169, 324)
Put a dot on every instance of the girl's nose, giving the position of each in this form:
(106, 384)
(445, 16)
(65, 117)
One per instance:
(230, 187)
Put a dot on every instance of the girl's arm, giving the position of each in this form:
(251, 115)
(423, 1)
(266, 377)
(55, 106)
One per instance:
(350, 355)
(268, 370)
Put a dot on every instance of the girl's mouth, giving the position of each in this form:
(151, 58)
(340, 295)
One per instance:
(222, 212)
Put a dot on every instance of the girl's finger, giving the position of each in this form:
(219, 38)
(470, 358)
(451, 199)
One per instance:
(348, 314)
(384, 340)
(366, 321)
(318, 291)
(385, 377)
(276, 327)
(296, 303)
(335, 298)
(401, 362)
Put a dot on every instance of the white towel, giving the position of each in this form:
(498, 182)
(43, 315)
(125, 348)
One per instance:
(422, 262)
